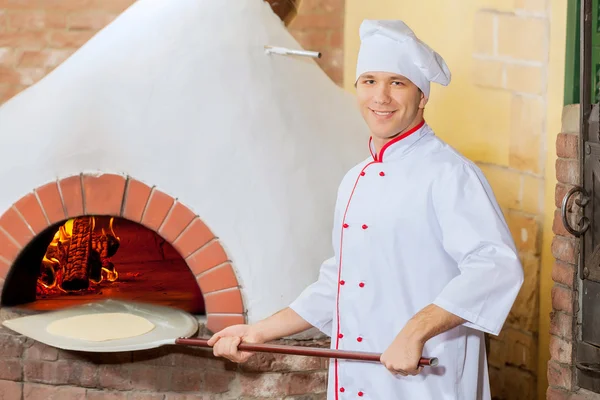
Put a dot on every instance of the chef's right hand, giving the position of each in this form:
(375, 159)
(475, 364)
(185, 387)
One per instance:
(225, 343)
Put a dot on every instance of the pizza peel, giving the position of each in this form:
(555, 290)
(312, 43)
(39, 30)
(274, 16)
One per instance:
(172, 327)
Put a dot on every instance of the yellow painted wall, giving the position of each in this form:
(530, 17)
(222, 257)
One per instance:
(483, 117)
(502, 110)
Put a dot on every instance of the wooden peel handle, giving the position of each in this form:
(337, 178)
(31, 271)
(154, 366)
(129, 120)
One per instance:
(304, 351)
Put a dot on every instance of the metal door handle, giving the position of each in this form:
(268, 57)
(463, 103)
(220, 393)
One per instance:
(589, 367)
(584, 222)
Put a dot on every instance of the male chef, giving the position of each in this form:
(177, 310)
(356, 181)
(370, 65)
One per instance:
(423, 261)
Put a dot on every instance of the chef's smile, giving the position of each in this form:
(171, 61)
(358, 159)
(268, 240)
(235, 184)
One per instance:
(383, 114)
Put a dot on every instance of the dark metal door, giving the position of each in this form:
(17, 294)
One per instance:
(588, 229)
(588, 321)
(584, 220)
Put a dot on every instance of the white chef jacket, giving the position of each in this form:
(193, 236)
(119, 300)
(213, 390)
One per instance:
(415, 225)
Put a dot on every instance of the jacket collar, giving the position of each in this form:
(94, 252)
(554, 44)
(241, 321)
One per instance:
(398, 146)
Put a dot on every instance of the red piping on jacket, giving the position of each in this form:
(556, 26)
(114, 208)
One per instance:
(375, 160)
(394, 140)
(337, 336)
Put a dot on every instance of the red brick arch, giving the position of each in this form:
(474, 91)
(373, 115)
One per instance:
(125, 197)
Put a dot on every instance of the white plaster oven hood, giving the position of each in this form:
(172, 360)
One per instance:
(180, 95)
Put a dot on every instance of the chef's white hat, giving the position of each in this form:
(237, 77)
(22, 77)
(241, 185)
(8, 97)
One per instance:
(391, 46)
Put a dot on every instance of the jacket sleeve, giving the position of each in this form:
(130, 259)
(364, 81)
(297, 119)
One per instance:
(475, 234)
(316, 303)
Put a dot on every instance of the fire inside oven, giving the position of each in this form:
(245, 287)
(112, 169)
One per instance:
(79, 257)
(91, 258)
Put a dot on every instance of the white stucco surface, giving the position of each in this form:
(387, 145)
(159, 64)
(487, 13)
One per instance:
(181, 95)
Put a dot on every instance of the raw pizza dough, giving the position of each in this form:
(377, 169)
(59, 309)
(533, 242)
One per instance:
(101, 327)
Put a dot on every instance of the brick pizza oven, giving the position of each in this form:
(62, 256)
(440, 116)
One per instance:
(171, 160)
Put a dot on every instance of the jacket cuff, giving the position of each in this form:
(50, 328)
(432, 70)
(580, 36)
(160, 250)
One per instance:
(473, 321)
(324, 326)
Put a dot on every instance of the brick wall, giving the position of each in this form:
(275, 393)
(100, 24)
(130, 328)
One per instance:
(565, 249)
(36, 37)
(510, 61)
(319, 26)
(33, 371)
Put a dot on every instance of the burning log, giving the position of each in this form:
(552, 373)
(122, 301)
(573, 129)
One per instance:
(104, 246)
(78, 255)
(76, 271)
(95, 267)
(48, 273)
(112, 245)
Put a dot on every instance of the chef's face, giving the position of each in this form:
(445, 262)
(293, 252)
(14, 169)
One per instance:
(389, 103)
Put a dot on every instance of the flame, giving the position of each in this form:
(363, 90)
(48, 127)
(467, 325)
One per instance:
(111, 275)
(54, 261)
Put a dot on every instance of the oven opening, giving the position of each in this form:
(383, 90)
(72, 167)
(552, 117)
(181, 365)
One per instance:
(92, 258)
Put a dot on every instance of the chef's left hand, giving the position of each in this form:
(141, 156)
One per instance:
(403, 355)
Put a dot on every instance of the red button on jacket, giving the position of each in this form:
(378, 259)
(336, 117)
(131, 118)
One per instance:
(345, 225)
(364, 226)
(359, 339)
(362, 173)
(382, 173)
(342, 390)
(360, 284)
(340, 335)
(361, 394)
(342, 282)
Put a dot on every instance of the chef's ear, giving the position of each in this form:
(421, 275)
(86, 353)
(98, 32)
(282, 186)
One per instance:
(423, 100)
